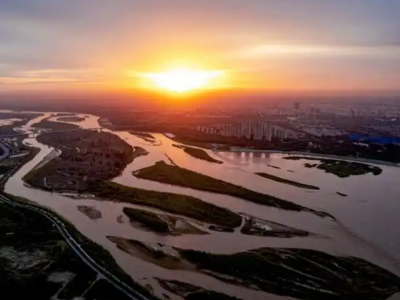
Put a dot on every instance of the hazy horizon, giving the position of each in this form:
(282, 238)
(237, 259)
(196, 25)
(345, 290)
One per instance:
(292, 47)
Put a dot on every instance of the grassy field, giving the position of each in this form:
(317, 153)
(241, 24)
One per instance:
(147, 219)
(173, 203)
(198, 153)
(286, 181)
(164, 173)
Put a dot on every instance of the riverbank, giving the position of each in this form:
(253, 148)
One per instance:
(174, 175)
(52, 155)
(260, 227)
(143, 135)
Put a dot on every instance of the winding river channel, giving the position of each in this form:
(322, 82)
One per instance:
(367, 223)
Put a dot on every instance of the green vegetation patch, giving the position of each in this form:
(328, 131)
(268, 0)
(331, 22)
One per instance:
(287, 181)
(46, 124)
(340, 168)
(299, 273)
(147, 219)
(173, 203)
(198, 153)
(174, 175)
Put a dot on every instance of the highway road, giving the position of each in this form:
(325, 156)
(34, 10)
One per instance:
(77, 248)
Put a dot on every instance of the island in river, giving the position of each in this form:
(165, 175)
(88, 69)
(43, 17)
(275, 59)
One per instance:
(340, 168)
(296, 273)
(90, 158)
(175, 175)
(90, 211)
(50, 125)
(144, 198)
(161, 223)
(286, 181)
(86, 157)
(198, 153)
(73, 119)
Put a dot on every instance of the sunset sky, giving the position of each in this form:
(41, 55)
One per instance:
(324, 45)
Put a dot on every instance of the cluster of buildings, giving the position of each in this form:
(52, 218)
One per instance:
(251, 130)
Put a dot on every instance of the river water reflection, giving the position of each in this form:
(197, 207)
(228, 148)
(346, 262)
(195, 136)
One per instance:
(367, 224)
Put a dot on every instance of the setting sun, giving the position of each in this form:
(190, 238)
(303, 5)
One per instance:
(182, 80)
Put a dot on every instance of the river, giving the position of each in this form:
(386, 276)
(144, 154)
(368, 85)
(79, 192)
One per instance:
(366, 226)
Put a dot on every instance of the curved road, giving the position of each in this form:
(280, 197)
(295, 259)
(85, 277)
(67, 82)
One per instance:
(76, 247)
